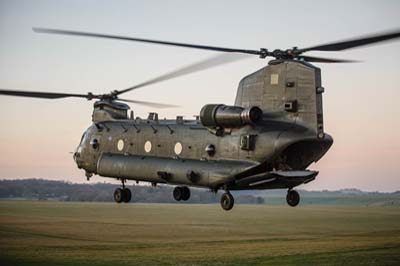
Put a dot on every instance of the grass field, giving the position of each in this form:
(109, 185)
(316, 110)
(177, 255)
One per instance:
(55, 233)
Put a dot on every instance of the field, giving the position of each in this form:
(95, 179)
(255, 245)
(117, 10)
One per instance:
(56, 233)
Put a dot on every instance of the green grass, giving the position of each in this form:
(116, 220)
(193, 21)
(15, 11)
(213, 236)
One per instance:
(55, 233)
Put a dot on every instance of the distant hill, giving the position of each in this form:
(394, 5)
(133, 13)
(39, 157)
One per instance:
(350, 197)
(39, 189)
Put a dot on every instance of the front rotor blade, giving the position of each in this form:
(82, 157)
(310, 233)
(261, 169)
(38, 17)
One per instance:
(202, 65)
(107, 36)
(44, 95)
(151, 104)
(352, 43)
(324, 60)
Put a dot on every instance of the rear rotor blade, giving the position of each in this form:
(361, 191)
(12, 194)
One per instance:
(125, 38)
(151, 104)
(352, 43)
(44, 95)
(202, 65)
(325, 60)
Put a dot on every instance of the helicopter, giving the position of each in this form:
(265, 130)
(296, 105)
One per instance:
(266, 140)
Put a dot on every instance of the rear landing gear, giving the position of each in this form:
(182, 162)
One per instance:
(123, 194)
(181, 193)
(227, 201)
(292, 198)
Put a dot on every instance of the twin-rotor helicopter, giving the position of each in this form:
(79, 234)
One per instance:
(266, 140)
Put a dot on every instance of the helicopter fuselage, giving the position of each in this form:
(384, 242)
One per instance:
(185, 152)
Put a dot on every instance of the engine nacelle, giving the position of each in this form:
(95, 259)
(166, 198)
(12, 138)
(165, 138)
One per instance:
(220, 115)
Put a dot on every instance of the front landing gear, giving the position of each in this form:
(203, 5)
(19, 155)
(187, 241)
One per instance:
(292, 198)
(227, 201)
(123, 194)
(181, 193)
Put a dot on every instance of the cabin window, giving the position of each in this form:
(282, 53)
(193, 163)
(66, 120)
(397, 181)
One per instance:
(178, 148)
(147, 146)
(120, 144)
(210, 149)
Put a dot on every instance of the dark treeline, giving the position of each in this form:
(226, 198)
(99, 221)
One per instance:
(39, 189)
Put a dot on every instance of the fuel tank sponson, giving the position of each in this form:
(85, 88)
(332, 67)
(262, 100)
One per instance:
(178, 171)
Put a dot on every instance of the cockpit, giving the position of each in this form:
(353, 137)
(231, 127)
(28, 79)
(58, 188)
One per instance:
(78, 150)
(109, 111)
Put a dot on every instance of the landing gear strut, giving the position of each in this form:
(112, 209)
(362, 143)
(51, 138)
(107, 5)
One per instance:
(292, 198)
(227, 201)
(181, 193)
(123, 194)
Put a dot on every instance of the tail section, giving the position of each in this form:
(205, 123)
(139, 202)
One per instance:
(287, 88)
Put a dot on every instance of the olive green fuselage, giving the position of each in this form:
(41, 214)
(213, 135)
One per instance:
(141, 150)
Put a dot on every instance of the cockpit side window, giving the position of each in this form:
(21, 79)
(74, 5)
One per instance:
(83, 138)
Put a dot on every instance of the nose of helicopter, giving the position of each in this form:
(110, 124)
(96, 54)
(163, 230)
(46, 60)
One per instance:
(77, 156)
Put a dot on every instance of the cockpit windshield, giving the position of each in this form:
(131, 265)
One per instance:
(83, 138)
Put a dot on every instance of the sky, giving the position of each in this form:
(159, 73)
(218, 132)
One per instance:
(361, 109)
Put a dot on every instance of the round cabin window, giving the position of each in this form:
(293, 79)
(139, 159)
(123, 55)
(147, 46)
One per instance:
(210, 149)
(147, 146)
(120, 145)
(178, 148)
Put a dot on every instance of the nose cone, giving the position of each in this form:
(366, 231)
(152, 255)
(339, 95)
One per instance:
(77, 157)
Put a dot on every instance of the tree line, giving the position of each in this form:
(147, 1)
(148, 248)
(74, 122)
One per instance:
(40, 189)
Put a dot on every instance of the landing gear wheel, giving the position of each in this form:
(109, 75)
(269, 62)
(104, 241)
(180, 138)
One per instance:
(186, 193)
(227, 201)
(292, 198)
(127, 195)
(118, 195)
(178, 193)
